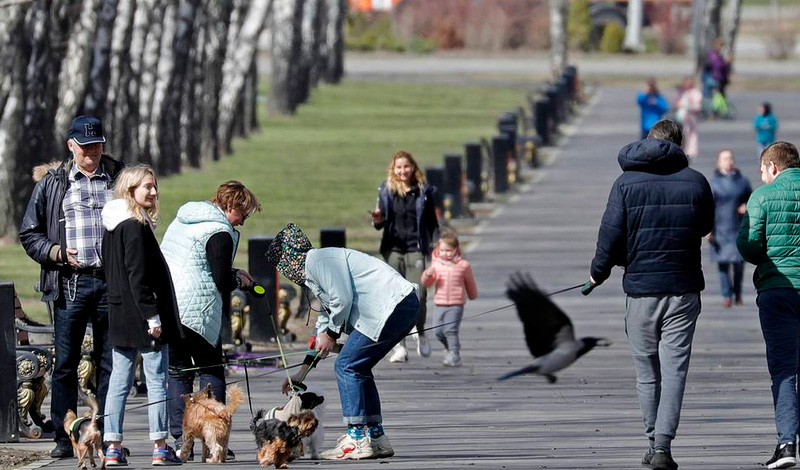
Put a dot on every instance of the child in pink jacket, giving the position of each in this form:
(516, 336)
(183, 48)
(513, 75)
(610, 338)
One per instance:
(454, 281)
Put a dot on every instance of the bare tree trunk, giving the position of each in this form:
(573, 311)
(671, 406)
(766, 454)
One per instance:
(139, 78)
(218, 17)
(74, 74)
(633, 32)
(119, 74)
(99, 75)
(558, 36)
(334, 41)
(309, 48)
(12, 73)
(710, 30)
(191, 111)
(171, 150)
(241, 57)
(321, 52)
(732, 27)
(148, 78)
(286, 23)
(164, 71)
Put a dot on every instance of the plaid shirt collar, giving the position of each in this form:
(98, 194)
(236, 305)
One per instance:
(75, 173)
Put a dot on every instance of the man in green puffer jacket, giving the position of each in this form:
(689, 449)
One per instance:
(770, 238)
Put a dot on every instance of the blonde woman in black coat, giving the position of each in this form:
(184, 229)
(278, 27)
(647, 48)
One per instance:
(142, 312)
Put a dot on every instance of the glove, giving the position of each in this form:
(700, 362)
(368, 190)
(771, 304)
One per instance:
(588, 287)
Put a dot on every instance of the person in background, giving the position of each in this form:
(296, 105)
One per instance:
(731, 192)
(769, 238)
(766, 126)
(718, 68)
(652, 105)
(199, 246)
(143, 317)
(407, 215)
(687, 111)
(62, 230)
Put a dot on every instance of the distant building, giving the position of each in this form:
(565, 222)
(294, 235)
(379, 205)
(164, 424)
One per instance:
(372, 5)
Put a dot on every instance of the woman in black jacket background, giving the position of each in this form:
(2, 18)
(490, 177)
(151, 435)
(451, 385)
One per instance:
(142, 313)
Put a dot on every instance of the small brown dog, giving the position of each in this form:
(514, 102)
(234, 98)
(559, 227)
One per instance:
(278, 441)
(210, 421)
(85, 436)
(305, 423)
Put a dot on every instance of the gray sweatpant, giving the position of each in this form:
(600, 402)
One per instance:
(660, 331)
(448, 319)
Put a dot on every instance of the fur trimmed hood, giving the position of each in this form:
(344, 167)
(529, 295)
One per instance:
(40, 170)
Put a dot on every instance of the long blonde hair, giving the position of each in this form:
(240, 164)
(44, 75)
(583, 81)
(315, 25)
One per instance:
(127, 181)
(393, 183)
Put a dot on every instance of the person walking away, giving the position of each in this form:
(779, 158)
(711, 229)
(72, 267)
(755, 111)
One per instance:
(455, 282)
(406, 213)
(199, 246)
(731, 192)
(766, 126)
(652, 105)
(143, 317)
(769, 238)
(687, 111)
(62, 230)
(718, 67)
(657, 206)
(369, 301)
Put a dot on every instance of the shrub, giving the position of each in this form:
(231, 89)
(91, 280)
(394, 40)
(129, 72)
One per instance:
(371, 32)
(780, 42)
(613, 37)
(579, 25)
(422, 46)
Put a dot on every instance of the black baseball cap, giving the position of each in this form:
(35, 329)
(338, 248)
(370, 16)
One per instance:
(86, 130)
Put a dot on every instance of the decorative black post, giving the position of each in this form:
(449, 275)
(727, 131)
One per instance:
(9, 418)
(332, 237)
(474, 169)
(542, 113)
(501, 152)
(435, 176)
(261, 329)
(454, 180)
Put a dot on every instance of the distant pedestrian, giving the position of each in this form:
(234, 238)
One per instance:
(687, 111)
(731, 192)
(770, 239)
(452, 275)
(765, 125)
(652, 104)
(718, 68)
(658, 211)
(406, 212)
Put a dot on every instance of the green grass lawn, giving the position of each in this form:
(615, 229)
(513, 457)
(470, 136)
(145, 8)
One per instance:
(322, 167)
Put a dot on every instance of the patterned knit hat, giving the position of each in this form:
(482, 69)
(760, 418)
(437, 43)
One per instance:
(287, 253)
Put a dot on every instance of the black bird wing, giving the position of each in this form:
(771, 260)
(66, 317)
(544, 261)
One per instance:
(541, 318)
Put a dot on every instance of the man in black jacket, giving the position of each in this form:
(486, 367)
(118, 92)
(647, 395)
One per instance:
(62, 230)
(658, 211)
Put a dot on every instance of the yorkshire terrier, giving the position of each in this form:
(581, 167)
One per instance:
(280, 442)
(308, 400)
(85, 436)
(210, 421)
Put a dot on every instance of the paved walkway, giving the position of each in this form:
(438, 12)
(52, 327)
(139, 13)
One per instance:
(441, 418)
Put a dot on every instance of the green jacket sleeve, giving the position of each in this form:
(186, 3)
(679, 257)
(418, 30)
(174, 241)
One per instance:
(752, 238)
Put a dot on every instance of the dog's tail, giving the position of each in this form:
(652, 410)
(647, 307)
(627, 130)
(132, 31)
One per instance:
(235, 398)
(91, 401)
(256, 419)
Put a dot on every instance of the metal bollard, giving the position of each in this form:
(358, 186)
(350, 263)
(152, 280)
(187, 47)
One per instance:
(435, 176)
(563, 89)
(542, 114)
(571, 74)
(332, 237)
(9, 418)
(454, 183)
(474, 169)
(501, 149)
(261, 329)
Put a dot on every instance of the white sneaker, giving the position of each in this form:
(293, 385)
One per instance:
(423, 346)
(452, 360)
(348, 448)
(399, 354)
(381, 447)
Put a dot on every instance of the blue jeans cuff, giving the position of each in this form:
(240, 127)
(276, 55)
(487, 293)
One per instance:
(362, 420)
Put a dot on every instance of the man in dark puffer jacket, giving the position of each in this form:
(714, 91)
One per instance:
(770, 238)
(658, 211)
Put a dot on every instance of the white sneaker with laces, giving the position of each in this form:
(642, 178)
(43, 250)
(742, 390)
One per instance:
(381, 447)
(423, 346)
(399, 354)
(452, 360)
(349, 448)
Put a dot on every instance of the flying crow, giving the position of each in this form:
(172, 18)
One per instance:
(548, 331)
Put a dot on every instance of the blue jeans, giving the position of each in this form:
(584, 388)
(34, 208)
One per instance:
(81, 300)
(357, 391)
(731, 287)
(154, 364)
(779, 312)
(194, 351)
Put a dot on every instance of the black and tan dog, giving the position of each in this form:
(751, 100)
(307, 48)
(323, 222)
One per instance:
(85, 436)
(275, 439)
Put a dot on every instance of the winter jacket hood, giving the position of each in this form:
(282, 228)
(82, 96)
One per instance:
(657, 156)
(114, 213)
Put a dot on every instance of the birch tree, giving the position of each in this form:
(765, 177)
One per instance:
(218, 17)
(164, 71)
(558, 36)
(119, 73)
(709, 30)
(334, 41)
(99, 75)
(633, 31)
(732, 27)
(286, 25)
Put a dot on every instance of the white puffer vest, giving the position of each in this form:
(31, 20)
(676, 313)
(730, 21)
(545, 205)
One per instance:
(184, 248)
